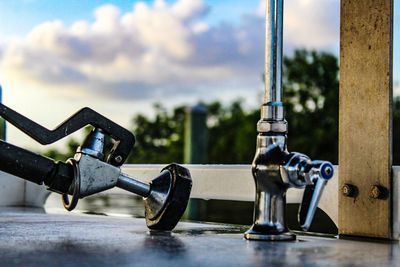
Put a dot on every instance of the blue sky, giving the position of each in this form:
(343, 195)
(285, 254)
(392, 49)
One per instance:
(35, 12)
(119, 57)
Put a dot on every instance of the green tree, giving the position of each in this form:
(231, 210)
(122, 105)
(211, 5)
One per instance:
(311, 104)
(232, 133)
(159, 140)
(58, 155)
(311, 96)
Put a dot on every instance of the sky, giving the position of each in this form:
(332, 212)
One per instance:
(120, 57)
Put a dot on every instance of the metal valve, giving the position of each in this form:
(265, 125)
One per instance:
(275, 171)
(92, 170)
(301, 172)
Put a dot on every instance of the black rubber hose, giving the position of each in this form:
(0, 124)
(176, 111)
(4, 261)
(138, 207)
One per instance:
(34, 167)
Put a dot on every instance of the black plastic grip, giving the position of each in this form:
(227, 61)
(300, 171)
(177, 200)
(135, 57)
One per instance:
(24, 164)
(35, 168)
(125, 139)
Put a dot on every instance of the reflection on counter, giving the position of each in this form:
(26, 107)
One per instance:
(220, 211)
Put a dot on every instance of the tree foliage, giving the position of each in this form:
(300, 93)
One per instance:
(311, 95)
(158, 140)
(58, 155)
(311, 100)
(232, 133)
(311, 104)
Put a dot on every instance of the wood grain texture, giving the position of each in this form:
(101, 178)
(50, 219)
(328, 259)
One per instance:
(365, 108)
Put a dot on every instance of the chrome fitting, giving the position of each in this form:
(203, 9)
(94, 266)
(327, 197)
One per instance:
(94, 144)
(272, 111)
(264, 126)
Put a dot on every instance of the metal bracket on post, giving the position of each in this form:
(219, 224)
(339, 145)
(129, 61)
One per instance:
(365, 126)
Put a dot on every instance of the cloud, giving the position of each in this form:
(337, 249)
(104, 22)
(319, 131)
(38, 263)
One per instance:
(159, 49)
(310, 23)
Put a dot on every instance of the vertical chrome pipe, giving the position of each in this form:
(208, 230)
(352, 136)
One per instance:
(270, 50)
(272, 109)
(279, 50)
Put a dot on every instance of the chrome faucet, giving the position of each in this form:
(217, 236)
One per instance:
(275, 170)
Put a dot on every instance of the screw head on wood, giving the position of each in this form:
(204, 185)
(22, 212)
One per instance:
(349, 190)
(378, 192)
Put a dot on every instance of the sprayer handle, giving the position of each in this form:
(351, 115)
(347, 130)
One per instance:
(320, 173)
(86, 116)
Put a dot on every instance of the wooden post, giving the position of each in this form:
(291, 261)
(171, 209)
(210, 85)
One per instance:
(365, 112)
(195, 152)
(196, 135)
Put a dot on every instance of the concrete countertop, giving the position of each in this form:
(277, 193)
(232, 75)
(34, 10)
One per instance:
(30, 237)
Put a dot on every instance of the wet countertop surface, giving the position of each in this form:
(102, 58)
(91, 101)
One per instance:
(30, 237)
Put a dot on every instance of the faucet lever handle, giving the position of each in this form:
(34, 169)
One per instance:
(320, 173)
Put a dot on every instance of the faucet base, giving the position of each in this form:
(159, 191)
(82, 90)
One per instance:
(251, 234)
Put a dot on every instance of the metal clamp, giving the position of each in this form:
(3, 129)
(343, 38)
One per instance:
(70, 205)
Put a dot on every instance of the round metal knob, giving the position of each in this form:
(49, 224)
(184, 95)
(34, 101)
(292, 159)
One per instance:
(168, 198)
